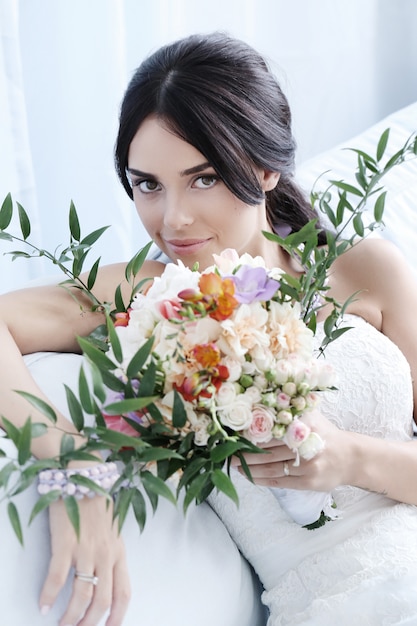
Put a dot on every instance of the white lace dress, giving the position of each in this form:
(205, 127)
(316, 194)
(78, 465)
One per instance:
(361, 568)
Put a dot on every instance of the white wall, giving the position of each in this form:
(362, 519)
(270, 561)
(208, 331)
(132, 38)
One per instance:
(344, 65)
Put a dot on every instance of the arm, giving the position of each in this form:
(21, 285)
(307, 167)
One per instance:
(49, 319)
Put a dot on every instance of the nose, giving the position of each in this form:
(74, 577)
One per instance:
(177, 212)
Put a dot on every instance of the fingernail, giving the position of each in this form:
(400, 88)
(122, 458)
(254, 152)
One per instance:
(45, 609)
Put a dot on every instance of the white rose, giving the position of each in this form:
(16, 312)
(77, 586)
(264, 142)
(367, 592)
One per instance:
(238, 418)
(326, 376)
(282, 371)
(260, 382)
(311, 446)
(226, 394)
(234, 367)
(251, 396)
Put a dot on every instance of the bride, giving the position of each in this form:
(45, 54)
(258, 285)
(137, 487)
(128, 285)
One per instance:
(205, 151)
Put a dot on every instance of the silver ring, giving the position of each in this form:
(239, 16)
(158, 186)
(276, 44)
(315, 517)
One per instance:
(86, 578)
(286, 469)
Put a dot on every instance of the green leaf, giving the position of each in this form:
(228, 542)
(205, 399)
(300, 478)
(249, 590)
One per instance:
(139, 508)
(158, 454)
(358, 225)
(157, 486)
(147, 384)
(18, 254)
(224, 450)
(139, 359)
(77, 266)
(74, 223)
(114, 340)
(92, 237)
(5, 236)
(67, 444)
(98, 386)
(73, 512)
(40, 405)
(118, 300)
(91, 279)
(84, 392)
(12, 432)
(340, 184)
(5, 473)
(43, 502)
(195, 488)
(128, 405)
(95, 354)
(136, 262)
(78, 479)
(24, 221)
(119, 440)
(25, 442)
(15, 521)
(75, 409)
(123, 500)
(379, 207)
(6, 212)
(224, 484)
(382, 144)
(179, 414)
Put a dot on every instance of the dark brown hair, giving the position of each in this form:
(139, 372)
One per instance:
(218, 94)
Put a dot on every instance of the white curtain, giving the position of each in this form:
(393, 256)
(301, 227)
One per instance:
(64, 65)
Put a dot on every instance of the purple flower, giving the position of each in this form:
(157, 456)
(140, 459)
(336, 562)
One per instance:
(253, 284)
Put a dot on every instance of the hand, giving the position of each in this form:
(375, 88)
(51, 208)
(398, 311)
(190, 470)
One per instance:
(99, 552)
(328, 469)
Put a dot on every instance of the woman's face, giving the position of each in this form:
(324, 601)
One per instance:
(186, 209)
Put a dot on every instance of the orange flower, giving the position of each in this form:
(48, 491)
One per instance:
(218, 294)
(207, 355)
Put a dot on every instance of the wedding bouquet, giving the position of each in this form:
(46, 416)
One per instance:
(229, 360)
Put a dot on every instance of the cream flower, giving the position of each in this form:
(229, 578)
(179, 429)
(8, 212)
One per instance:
(244, 331)
(173, 279)
(288, 333)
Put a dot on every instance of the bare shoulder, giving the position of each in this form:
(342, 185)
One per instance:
(375, 270)
(371, 254)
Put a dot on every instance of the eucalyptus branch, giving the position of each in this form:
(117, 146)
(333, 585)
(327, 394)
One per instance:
(78, 248)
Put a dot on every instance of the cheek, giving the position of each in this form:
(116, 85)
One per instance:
(149, 218)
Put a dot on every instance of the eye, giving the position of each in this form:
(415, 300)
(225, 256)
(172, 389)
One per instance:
(206, 181)
(146, 186)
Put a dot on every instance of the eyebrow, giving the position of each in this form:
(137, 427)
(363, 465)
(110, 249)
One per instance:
(191, 170)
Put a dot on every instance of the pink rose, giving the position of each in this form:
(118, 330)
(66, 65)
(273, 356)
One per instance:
(297, 432)
(283, 400)
(260, 430)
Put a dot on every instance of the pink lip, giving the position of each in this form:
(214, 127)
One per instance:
(186, 246)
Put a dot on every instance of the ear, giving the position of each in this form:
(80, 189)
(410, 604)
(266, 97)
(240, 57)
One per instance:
(269, 180)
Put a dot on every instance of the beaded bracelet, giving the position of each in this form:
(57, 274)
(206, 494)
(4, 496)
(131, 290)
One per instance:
(103, 474)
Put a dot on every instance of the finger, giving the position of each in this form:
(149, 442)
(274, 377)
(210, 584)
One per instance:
(57, 575)
(101, 596)
(281, 470)
(81, 597)
(272, 455)
(121, 594)
(272, 443)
